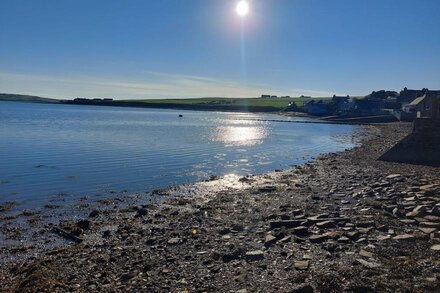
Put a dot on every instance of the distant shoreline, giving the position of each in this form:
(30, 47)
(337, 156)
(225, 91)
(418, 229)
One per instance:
(221, 104)
(215, 108)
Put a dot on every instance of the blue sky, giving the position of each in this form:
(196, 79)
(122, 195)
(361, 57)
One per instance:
(196, 48)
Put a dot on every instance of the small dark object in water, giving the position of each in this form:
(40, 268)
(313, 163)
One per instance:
(180, 115)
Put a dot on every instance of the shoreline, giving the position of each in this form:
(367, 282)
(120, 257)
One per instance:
(361, 120)
(321, 226)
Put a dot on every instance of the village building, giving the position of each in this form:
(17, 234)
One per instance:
(365, 107)
(292, 107)
(428, 106)
(342, 105)
(316, 108)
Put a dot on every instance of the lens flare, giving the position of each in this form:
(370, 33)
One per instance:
(242, 8)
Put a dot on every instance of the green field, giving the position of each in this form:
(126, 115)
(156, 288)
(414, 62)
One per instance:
(26, 98)
(275, 104)
(208, 104)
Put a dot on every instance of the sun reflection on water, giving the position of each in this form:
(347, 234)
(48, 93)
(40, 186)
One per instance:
(240, 135)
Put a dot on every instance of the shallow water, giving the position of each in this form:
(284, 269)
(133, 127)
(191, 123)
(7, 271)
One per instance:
(48, 151)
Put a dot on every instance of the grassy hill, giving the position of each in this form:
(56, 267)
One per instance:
(205, 104)
(26, 98)
(233, 104)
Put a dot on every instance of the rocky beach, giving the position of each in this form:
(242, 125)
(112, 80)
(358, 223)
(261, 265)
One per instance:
(345, 222)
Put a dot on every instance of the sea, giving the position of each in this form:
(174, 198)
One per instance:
(52, 150)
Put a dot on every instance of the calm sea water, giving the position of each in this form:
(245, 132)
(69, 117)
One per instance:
(48, 150)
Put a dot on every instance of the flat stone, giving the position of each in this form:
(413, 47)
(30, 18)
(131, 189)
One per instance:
(174, 241)
(285, 223)
(254, 255)
(418, 211)
(365, 253)
(316, 219)
(427, 187)
(302, 265)
(383, 237)
(408, 221)
(429, 224)
(431, 279)
(361, 240)
(317, 238)
(403, 237)
(435, 247)
(393, 176)
(286, 239)
(432, 219)
(428, 230)
(332, 234)
(343, 239)
(301, 230)
(325, 224)
(368, 264)
(364, 230)
(270, 239)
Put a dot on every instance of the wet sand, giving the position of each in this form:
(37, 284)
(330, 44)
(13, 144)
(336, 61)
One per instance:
(345, 222)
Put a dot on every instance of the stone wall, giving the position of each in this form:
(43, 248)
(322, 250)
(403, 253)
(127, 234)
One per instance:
(422, 146)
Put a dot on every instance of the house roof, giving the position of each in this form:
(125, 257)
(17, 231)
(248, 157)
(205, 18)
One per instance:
(418, 100)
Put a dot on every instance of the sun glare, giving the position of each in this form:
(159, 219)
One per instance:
(242, 8)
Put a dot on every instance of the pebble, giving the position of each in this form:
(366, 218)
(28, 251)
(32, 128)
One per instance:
(302, 265)
(254, 255)
(174, 241)
(370, 265)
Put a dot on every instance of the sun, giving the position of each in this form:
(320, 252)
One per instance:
(242, 8)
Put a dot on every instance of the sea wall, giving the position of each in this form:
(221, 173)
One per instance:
(422, 146)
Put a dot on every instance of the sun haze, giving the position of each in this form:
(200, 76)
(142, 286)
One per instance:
(242, 8)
